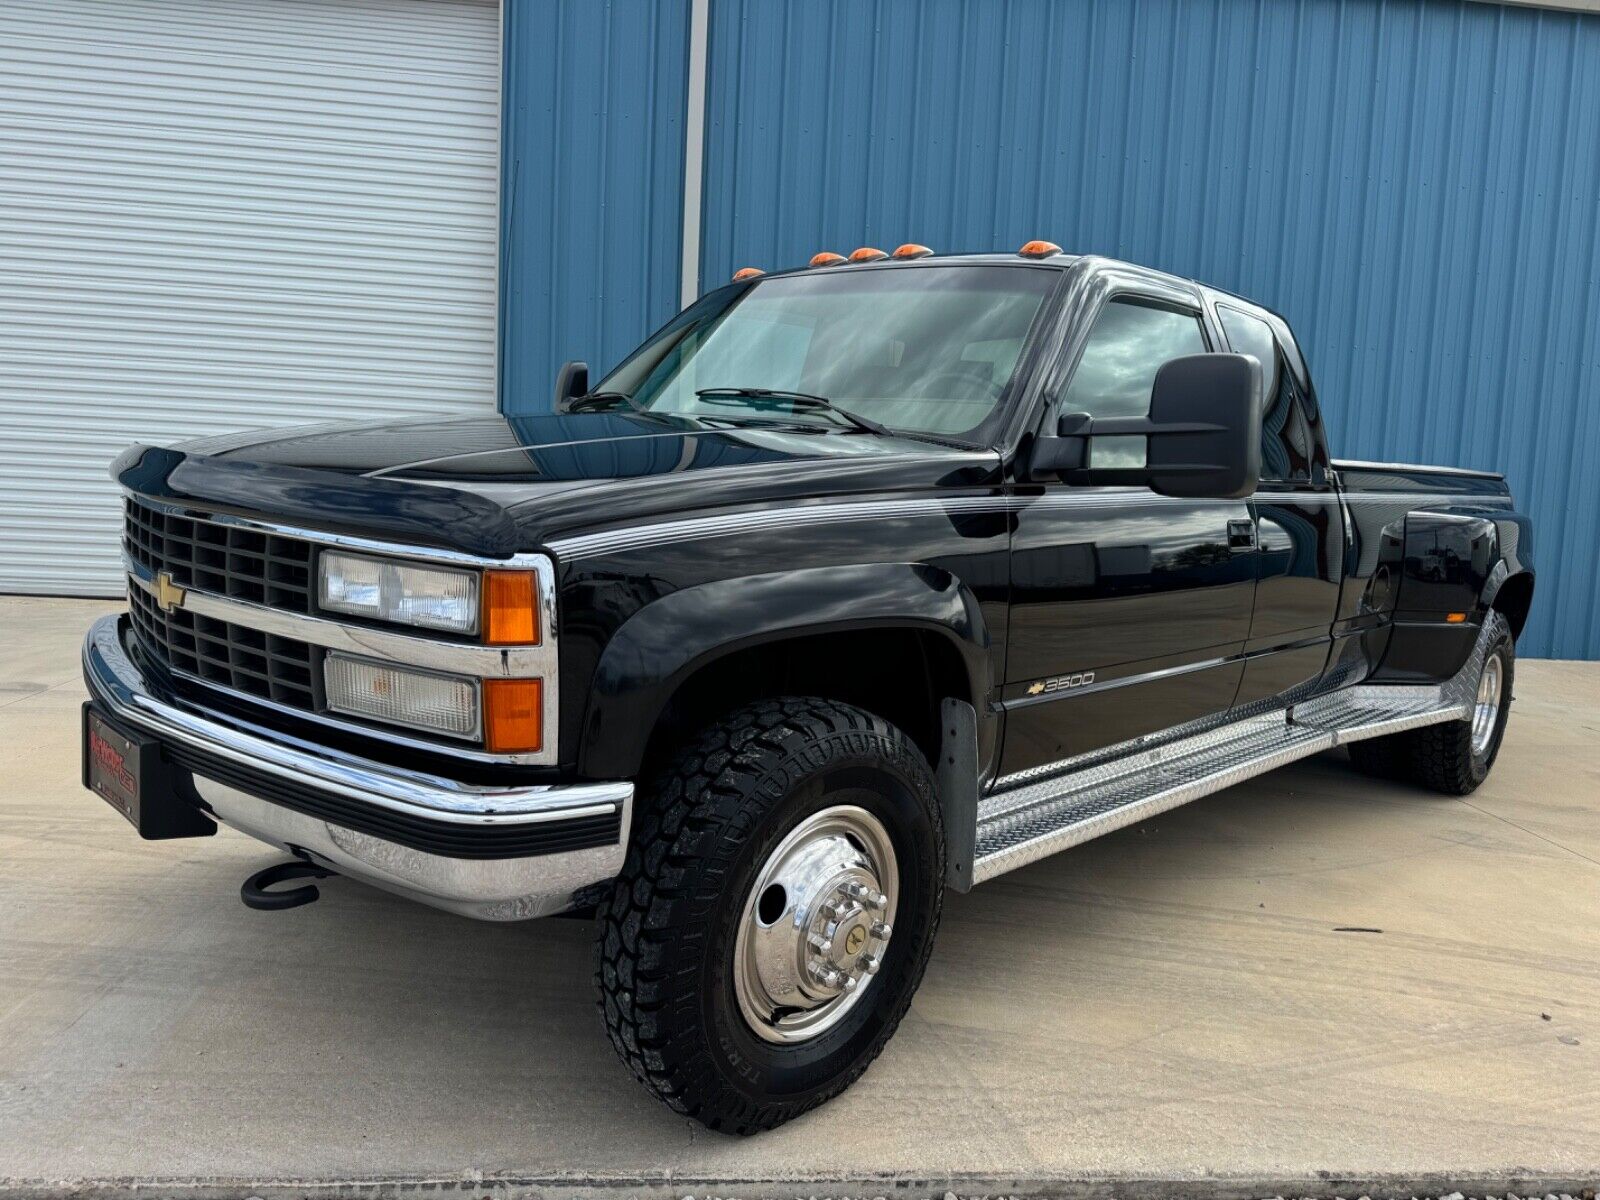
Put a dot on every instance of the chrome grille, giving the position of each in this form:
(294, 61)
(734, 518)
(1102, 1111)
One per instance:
(233, 656)
(227, 560)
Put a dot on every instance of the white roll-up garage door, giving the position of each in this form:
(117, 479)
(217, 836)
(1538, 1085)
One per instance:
(221, 214)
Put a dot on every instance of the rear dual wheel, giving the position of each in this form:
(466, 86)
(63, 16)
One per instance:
(1456, 756)
(775, 913)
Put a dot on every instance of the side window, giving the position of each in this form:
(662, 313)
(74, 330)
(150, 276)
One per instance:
(1286, 441)
(1127, 346)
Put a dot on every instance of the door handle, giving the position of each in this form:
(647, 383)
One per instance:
(1242, 534)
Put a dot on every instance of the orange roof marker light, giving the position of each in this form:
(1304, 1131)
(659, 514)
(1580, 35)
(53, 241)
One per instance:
(825, 258)
(911, 250)
(1039, 249)
(744, 273)
(867, 254)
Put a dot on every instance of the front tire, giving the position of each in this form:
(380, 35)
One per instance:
(775, 912)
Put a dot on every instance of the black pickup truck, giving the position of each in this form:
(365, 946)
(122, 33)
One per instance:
(852, 584)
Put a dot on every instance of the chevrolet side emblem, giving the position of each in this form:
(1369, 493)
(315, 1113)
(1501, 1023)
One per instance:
(1061, 683)
(168, 594)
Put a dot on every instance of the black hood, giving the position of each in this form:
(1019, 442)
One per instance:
(557, 448)
(498, 484)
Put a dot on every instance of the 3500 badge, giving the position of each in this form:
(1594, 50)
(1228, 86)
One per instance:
(1061, 683)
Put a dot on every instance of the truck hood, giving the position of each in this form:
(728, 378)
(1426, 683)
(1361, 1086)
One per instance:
(511, 483)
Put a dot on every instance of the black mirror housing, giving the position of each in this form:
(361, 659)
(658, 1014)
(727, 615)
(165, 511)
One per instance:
(572, 381)
(1203, 434)
(1210, 407)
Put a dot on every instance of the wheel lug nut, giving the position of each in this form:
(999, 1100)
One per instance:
(882, 929)
(823, 945)
(869, 963)
(827, 976)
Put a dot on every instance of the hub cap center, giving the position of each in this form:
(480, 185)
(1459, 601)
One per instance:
(816, 924)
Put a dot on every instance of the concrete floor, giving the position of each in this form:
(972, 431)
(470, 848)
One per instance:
(1176, 1001)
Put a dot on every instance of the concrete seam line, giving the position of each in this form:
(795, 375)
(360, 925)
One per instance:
(675, 1186)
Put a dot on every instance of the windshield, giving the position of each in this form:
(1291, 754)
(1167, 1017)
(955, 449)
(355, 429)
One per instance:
(926, 349)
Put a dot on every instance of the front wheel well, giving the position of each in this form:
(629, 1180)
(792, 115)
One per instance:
(898, 674)
(1514, 600)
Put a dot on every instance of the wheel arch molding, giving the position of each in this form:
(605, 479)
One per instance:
(811, 624)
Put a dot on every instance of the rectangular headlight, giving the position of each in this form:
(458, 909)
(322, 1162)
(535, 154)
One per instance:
(446, 704)
(385, 590)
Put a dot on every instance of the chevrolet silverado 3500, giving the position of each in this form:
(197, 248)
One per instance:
(852, 584)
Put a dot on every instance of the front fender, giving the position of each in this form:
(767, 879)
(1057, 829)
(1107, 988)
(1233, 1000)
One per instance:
(663, 644)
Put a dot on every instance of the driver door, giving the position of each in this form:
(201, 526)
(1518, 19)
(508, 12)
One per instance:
(1129, 610)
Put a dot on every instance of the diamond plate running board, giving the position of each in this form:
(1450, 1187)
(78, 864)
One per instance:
(1041, 817)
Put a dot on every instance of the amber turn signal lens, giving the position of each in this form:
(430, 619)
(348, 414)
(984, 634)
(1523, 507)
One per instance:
(510, 608)
(1039, 249)
(911, 250)
(513, 715)
(825, 258)
(744, 273)
(1455, 618)
(867, 254)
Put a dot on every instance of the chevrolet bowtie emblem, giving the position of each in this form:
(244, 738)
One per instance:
(168, 594)
(1035, 688)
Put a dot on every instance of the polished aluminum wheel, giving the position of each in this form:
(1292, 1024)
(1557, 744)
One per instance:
(1486, 711)
(816, 924)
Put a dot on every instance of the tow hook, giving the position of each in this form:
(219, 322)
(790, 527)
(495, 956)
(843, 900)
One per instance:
(253, 891)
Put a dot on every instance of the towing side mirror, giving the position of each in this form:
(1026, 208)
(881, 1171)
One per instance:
(572, 381)
(1203, 434)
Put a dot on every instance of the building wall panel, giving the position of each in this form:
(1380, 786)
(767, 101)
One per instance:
(1415, 184)
(592, 180)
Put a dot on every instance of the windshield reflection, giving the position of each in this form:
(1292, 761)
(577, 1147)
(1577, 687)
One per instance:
(924, 349)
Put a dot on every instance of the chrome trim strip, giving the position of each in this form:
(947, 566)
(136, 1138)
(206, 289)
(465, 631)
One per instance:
(1107, 685)
(661, 533)
(1472, 499)
(1356, 464)
(1125, 681)
(639, 537)
(117, 683)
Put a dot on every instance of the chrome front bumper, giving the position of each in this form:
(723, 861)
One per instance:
(484, 883)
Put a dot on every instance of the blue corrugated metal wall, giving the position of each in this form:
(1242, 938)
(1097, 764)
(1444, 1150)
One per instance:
(591, 184)
(1415, 184)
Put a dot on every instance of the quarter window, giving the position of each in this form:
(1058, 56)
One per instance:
(1286, 440)
(1130, 342)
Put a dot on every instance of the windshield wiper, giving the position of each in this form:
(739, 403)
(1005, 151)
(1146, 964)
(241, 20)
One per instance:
(591, 401)
(777, 400)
